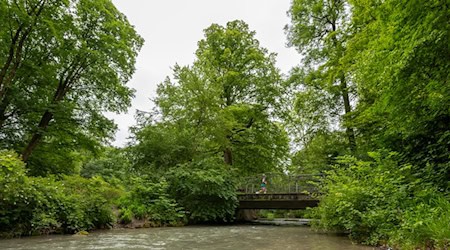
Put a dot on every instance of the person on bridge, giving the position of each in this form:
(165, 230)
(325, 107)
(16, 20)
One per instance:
(263, 185)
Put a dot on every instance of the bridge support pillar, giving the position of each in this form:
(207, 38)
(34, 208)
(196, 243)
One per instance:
(246, 214)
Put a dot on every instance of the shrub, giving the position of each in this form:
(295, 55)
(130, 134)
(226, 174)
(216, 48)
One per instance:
(38, 205)
(382, 202)
(206, 190)
(16, 195)
(150, 201)
(126, 216)
(94, 197)
(425, 223)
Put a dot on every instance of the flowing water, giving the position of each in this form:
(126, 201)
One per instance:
(191, 237)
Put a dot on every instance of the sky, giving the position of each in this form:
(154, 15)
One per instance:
(171, 30)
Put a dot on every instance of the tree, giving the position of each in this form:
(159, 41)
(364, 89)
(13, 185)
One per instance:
(27, 40)
(113, 165)
(21, 23)
(96, 70)
(402, 65)
(83, 53)
(229, 97)
(159, 147)
(319, 31)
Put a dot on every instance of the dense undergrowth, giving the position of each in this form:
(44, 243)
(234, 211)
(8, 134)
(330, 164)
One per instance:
(383, 202)
(69, 204)
(42, 205)
(151, 202)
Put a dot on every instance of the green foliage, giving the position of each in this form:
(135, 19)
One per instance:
(205, 189)
(226, 102)
(150, 201)
(126, 216)
(390, 56)
(375, 74)
(161, 146)
(270, 216)
(323, 84)
(425, 223)
(319, 153)
(112, 165)
(38, 205)
(95, 198)
(403, 80)
(380, 201)
(64, 63)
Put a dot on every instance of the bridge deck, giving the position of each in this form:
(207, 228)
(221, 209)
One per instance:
(277, 201)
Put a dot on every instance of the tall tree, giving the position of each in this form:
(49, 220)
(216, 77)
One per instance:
(229, 96)
(75, 64)
(319, 31)
(24, 32)
(96, 59)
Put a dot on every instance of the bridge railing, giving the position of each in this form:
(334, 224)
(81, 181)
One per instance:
(281, 183)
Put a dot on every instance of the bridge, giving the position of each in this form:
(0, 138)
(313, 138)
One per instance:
(283, 192)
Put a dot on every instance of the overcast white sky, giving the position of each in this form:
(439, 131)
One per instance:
(172, 28)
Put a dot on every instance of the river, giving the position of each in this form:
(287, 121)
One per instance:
(190, 237)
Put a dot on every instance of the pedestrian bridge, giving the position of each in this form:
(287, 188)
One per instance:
(283, 192)
(277, 201)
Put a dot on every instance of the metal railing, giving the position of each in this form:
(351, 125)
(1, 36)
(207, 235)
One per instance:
(281, 183)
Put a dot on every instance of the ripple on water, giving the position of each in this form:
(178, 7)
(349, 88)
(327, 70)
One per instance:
(191, 237)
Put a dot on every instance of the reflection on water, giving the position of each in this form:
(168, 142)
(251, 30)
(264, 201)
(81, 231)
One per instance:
(191, 237)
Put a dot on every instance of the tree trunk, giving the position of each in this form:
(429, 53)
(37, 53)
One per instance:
(37, 136)
(3, 107)
(228, 156)
(63, 87)
(345, 97)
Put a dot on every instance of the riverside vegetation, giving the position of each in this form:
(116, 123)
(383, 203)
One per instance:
(368, 106)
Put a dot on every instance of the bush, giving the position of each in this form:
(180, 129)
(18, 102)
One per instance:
(91, 201)
(16, 195)
(206, 190)
(150, 201)
(38, 205)
(425, 223)
(382, 202)
(126, 216)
